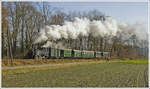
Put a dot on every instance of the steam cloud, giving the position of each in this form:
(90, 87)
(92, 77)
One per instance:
(84, 27)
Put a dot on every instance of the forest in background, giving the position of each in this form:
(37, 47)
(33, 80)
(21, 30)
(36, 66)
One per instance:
(22, 21)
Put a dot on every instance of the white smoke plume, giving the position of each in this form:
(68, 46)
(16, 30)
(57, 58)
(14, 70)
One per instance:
(54, 45)
(79, 27)
(84, 27)
(137, 29)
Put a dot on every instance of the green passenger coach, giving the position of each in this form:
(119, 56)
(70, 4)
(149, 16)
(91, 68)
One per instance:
(66, 53)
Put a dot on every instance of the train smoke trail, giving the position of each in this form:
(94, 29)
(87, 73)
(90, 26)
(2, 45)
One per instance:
(79, 27)
(84, 27)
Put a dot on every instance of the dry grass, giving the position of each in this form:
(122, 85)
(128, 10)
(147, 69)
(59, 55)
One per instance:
(26, 70)
(22, 62)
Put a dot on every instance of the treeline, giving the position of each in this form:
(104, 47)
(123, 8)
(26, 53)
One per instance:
(21, 22)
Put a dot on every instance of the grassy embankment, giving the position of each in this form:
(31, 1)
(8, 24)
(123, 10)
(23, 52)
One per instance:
(22, 62)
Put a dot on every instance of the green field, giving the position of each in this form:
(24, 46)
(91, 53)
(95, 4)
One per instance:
(105, 74)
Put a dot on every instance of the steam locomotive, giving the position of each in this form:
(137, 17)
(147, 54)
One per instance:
(49, 53)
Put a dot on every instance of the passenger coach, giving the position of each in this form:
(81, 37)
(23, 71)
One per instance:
(65, 53)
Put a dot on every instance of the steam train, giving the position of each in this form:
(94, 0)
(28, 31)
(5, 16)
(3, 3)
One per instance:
(50, 53)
